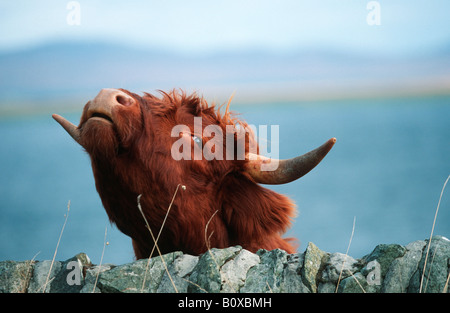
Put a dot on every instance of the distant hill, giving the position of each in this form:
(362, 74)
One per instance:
(63, 70)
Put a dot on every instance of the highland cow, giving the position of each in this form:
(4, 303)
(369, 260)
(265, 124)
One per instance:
(130, 141)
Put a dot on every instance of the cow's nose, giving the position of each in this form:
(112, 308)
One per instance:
(115, 97)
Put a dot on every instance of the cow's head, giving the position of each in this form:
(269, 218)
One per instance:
(135, 144)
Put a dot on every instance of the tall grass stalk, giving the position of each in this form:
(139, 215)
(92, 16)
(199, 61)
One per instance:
(105, 243)
(346, 254)
(431, 235)
(57, 245)
(446, 284)
(208, 246)
(155, 240)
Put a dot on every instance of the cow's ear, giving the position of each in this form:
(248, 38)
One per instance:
(251, 211)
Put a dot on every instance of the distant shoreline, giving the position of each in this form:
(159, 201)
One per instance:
(251, 94)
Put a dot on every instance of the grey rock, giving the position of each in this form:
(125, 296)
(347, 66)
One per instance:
(292, 281)
(126, 278)
(384, 254)
(91, 278)
(313, 260)
(179, 272)
(432, 276)
(402, 269)
(207, 276)
(356, 283)
(326, 287)
(388, 268)
(15, 276)
(377, 265)
(338, 267)
(43, 276)
(70, 278)
(140, 276)
(267, 275)
(234, 271)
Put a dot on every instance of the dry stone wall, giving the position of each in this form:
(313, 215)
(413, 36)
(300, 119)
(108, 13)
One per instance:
(390, 268)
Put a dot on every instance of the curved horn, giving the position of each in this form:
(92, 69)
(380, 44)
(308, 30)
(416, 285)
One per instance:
(287, 170)
(69, 127)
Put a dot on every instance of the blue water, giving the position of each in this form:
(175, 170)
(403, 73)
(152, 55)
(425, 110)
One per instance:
(387, 169)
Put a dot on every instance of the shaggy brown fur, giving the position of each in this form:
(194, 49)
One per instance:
(132, 156)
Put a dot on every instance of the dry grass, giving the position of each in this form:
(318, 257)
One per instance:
(105, 243)
(431, 235)
(56, 250)
(421, 288)
(345, 259)
(27, 275)
(207, 241)
(208, 246)
(207, 238)
(196, 285)
(155, 240)
(446, 284)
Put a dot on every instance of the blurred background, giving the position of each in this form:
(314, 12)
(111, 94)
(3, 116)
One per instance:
(374, 74)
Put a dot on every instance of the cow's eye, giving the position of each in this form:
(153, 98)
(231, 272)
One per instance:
(197, 140)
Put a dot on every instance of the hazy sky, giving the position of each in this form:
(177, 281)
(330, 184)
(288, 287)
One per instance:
(211, 25)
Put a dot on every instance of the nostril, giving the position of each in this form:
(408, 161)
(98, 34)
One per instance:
(124, 100)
